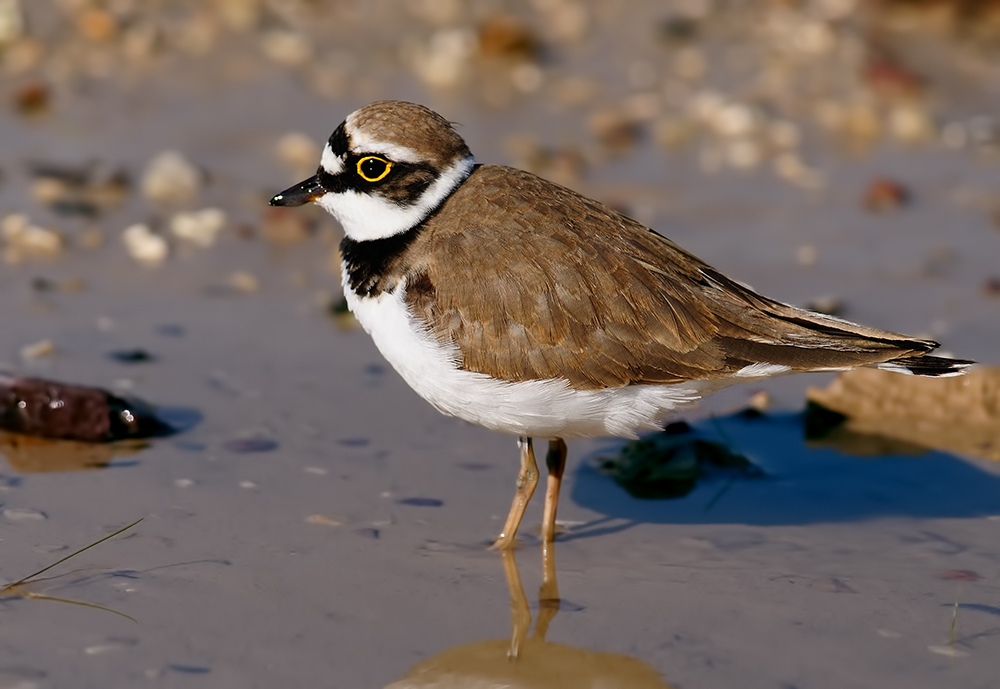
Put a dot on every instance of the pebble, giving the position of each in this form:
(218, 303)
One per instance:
(24, 239)
(567, 20)
(991, 288)
(910, 124)
(743, 153)
(733, 119)
(297, 151)
(11, 21)
(790, 168)
(760, 401)
(614, 130)
(288, 48)
(183, 483)
(243, 281)
(170, 178)
(527, 77)
(441, 62)
(32, 98)
(885, 195)
(198, 227)
(96, 25)
(144, 245)
(806, 255)
(24, 514)
(323, 520)
(38, 350)
(502, 35)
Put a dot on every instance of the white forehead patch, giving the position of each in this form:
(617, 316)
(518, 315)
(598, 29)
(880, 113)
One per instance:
(367, 216)
(362, 142)
(331, 162)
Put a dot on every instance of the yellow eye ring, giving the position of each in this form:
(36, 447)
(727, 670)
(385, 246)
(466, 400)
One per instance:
(369, 177)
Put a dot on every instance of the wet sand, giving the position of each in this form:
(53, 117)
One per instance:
(317, 524)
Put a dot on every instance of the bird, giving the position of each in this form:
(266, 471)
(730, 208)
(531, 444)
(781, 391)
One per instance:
(520, 305)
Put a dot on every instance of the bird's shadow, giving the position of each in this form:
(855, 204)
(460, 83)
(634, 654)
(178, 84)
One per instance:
(803, 484)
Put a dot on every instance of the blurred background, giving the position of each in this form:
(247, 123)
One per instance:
(834, 152)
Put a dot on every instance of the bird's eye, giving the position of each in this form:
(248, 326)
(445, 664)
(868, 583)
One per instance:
(373, 168)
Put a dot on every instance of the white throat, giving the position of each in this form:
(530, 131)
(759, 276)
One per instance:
(366, 217)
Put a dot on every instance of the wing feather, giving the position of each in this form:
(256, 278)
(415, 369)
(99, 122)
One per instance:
(574, 290)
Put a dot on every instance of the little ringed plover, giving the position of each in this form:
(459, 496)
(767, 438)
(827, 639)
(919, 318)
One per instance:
(522, 306)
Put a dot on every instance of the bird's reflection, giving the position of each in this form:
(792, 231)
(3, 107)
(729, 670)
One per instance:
(527, 660)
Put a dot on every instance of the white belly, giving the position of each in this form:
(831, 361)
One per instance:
(542, 408)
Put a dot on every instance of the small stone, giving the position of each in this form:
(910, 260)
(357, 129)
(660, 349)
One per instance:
(991, 288)
(25, 239)
(614, 130)
(527, 77)
(885, 195)
(734, 119)
(96, 25)
(506, 36)
(806, 255)
(297, 151)
(743, 153)
(170, 178)
(891, 79)
(199, 227)
(760, 401)
(248, 485)
(287, 48)
(11, 21)
(144, 245)
(323, 520)
(32, 98)
(38, 350)
(910, 124)
(245, 282)
(24, 514)
(790, 167)
(183, 483)
(441, 62)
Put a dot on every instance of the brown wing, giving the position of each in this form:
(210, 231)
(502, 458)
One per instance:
(571, 289)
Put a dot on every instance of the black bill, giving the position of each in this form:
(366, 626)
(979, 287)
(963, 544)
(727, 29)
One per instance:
(301, 193)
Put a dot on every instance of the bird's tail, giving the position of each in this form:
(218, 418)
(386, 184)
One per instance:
(935, 366)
